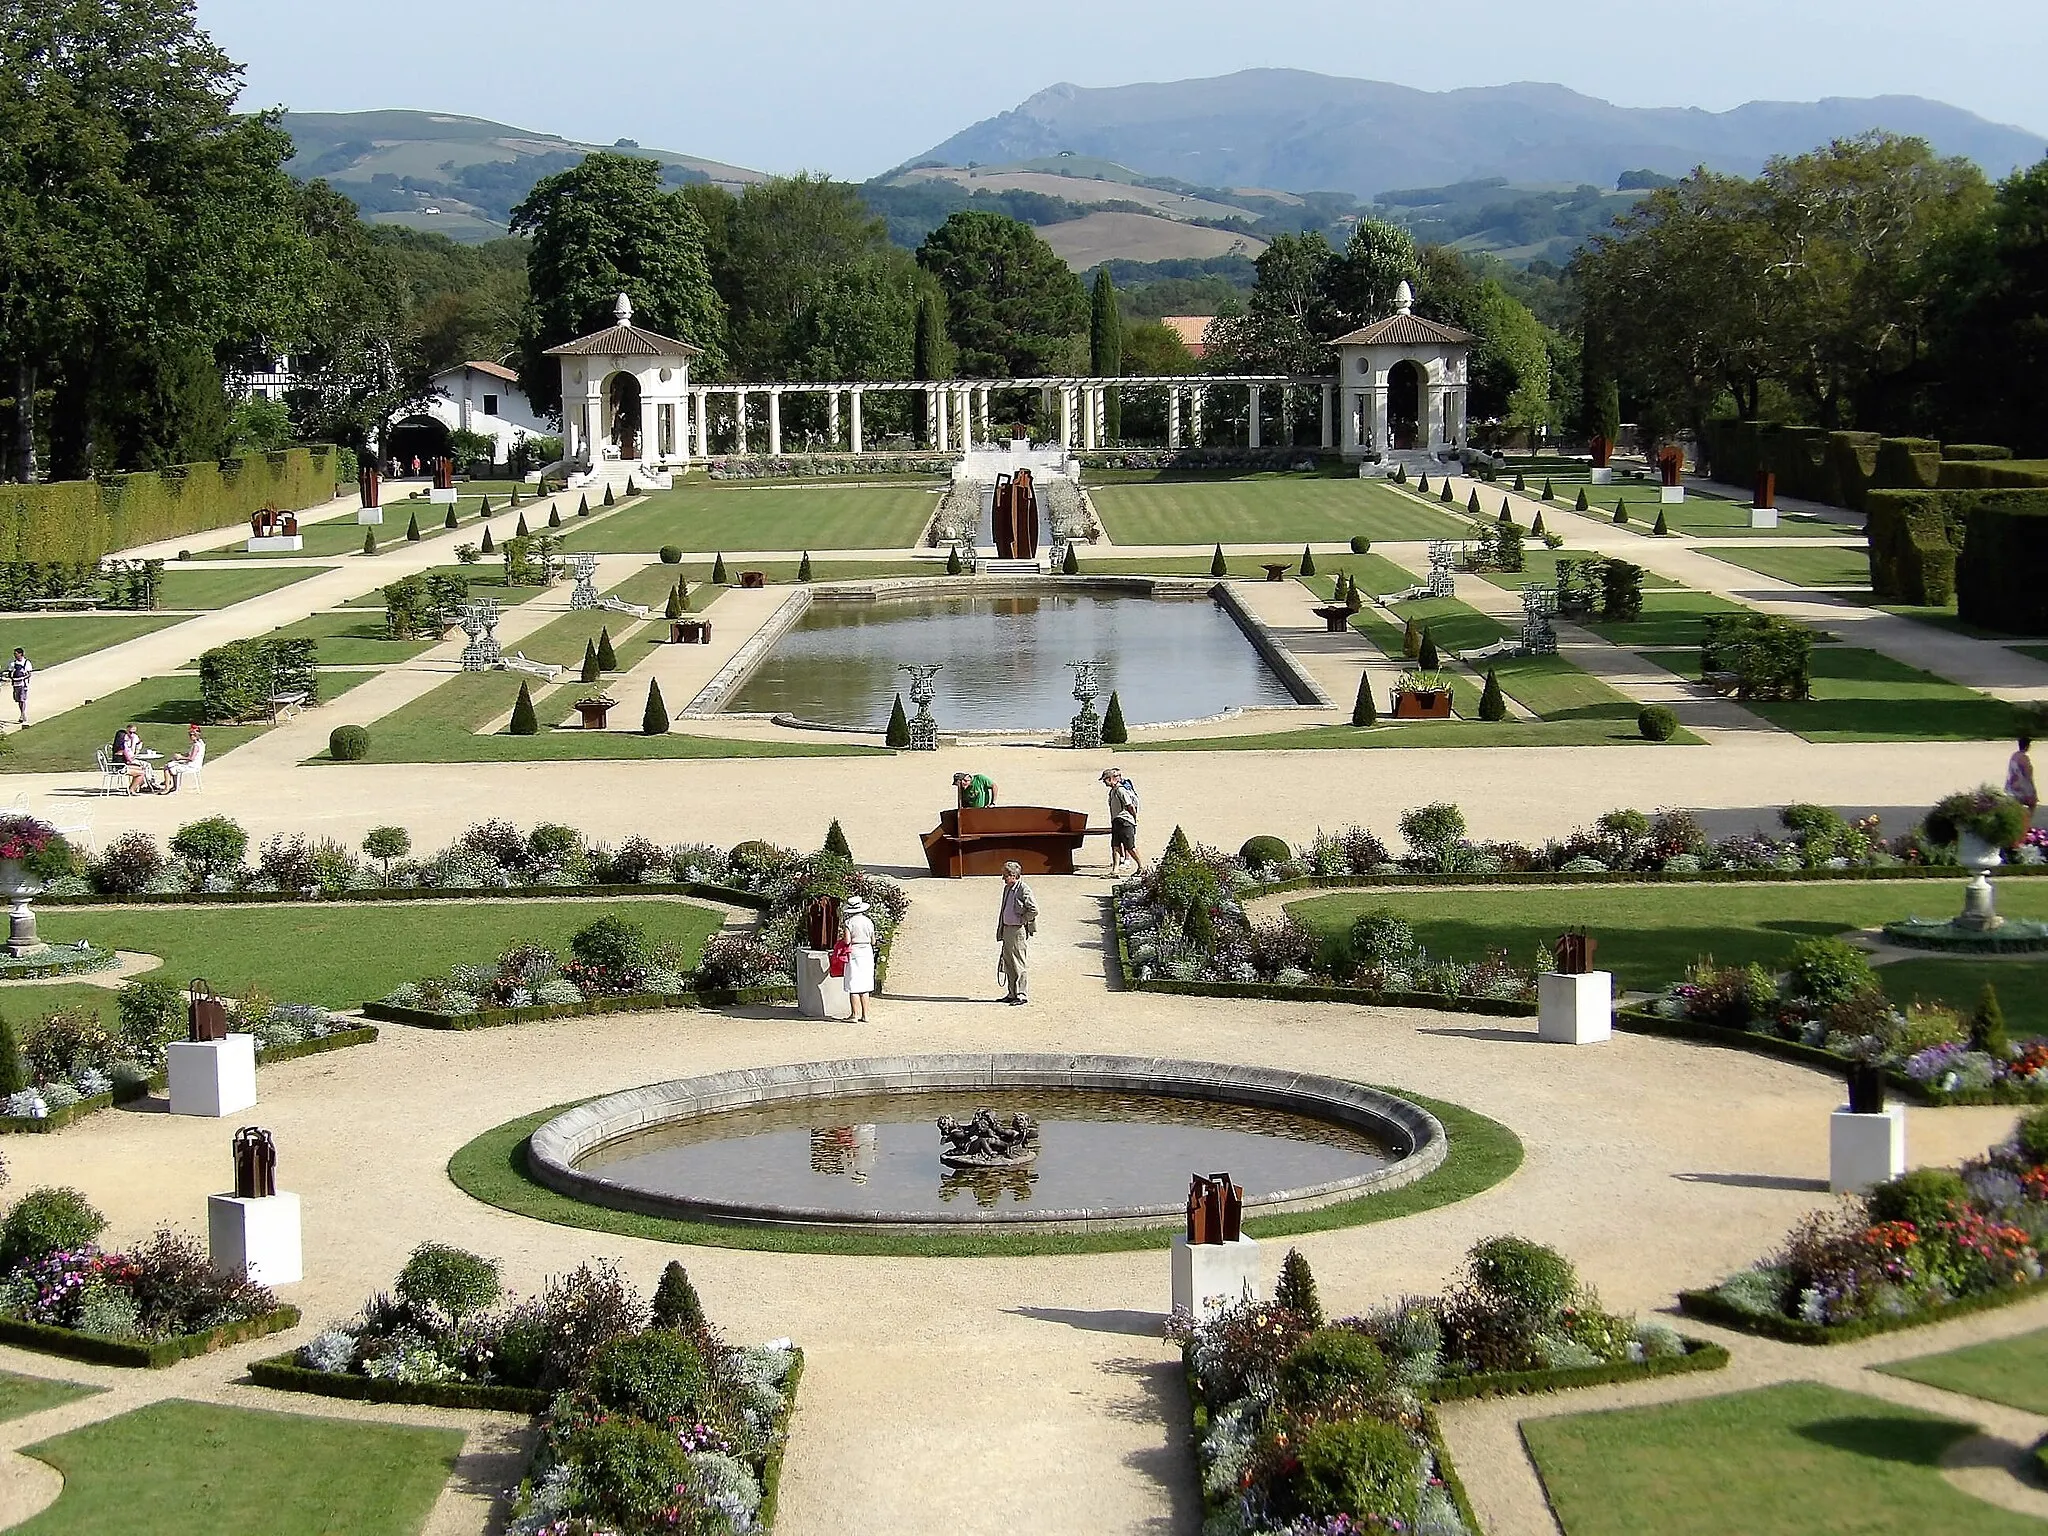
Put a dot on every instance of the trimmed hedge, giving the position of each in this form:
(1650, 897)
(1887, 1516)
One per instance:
(1973, 452)
(85, 519)
(86, 1346)
(2002, 570)
(778, 1443)
(1914, 537)
(1908, 463)
(730, 895)
(632, 1002)
(1980, 475)
(283, 1373)
(1709, 1307)
(1699, 1356)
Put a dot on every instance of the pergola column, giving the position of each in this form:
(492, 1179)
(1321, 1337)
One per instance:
(1088, 399)
(1251, 437)
(774, 423)
(856, 394)
(1353, 402)
(832, 419)
(1173, 416)
(1329, 394)
(938, 399)
(650, 442)
(739, 422)
(963, 402)
(1195, 416)
(985, 392)
(1382, 428)
(702, 414)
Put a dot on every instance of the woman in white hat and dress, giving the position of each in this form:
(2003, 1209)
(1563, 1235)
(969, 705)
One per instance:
(858, 929)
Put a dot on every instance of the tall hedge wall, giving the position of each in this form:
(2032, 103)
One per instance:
(1914, 536)
(84, 519)
(1841, 469)
(2002, 572)
(1909, 463)
(1984, 474)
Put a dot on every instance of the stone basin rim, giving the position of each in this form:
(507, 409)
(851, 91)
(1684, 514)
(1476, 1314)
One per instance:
(554, 1149)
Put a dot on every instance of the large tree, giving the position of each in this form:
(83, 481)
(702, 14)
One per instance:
(608, 227)
(146, 229)
(1013, 307)
(1364, 280)
(1991, 351)
(1509, 368)
(789, 241)
(1290, 318)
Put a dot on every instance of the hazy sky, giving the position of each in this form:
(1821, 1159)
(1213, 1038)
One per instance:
(856, 88)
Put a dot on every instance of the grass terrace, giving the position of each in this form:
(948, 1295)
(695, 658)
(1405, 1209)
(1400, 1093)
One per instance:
(1799, 1459)
(344, 536)
(184, 588)
(1814, 566)
(1670, 617)
(1539, 565)
(1860, 695)
(2009, 1371)
(706, 519)
(53, 638)
(1268, 509)
(486, 579)
(350, 638)
(21, 1396)
(349, 953)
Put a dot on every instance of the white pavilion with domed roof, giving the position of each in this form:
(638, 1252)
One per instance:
(625, 401)
(1401, 384)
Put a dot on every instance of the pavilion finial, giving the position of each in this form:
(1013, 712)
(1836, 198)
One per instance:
(1404, 298)
(623, 310)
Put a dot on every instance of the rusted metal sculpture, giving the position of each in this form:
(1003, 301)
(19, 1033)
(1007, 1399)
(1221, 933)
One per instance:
(1573, 952)
(1215, 1209)
(206, 1016)
(1671, 464)
(1765, 495)
(444, 474)
(821, 922)
(368, 483)
(255, 1164)
(1014, 515)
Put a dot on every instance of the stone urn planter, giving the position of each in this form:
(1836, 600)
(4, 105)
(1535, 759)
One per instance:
(1980, 857)
(17, 885)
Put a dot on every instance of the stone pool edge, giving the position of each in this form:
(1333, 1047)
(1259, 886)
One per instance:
(554, 1148)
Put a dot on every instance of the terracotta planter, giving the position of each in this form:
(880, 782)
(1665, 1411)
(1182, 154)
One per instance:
(1423, 704)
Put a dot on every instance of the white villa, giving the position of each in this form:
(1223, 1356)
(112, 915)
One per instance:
(486, 398)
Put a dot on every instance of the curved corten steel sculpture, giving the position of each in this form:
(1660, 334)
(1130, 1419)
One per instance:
(1015, 517)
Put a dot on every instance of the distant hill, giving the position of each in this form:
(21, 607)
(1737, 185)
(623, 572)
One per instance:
(1294, 131)
(460, 176)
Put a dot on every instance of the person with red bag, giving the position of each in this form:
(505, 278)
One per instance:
(857, 945)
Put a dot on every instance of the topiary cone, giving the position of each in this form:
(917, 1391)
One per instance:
(1662, 528)
(674, 609)
(835, 840)
(554, 517)
(1426, 659)
(1520, 484)
(1308, 561)
(369, 541)
(520, 531)
(609, 499)
(1363, 711)
(898, 733)
(675, 1301)
(1491, 705)
(1582, 504)
(1445, 494)
(524, 721)
(591, 670)
(486, 545)
(607, 658)
(953, 565)
(412, 529)
(1411, 640)
(1506, 514)
(1217, 567)
(1987, 1024)
(450, 520)
(583, 506)
(1537, 526)
(1620, 510)
(803, 567)
(718, 578)
(654, 722)
(1071, 566)
(1114, 731)
(487, 506)
(1472, 502)
(1296, 1289)
(1422, 486)
(1548, 493)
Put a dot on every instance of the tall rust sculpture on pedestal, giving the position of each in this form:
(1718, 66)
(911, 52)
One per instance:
(1015, 517)
(255, 1164)
(1215, 1209)
(206, 1016)
(1573, 952)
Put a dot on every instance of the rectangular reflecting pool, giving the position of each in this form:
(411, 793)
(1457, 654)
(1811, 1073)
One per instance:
(1005, 660)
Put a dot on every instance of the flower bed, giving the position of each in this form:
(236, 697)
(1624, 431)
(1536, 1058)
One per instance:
(151, 1305)
(57, 960)
(651, 1422)
(641, 1002)
(1314, 1429)
(1931, 1245)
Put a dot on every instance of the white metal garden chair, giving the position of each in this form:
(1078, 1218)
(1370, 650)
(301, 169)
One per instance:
(113, 779)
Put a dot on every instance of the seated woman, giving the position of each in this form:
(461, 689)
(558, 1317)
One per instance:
(128, 757)
(192, 760)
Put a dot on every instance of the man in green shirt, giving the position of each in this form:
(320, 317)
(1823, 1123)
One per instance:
(977, 791)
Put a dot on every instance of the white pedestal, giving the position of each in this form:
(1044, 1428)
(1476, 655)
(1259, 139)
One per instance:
(820, 994)
(1672, 493)
(1865, 1150)
(277, 543)
(1763, 517)
(212, 1077)
(1575, 1010)
(1210, 1276)
(1603, 476)
(260, 1237)
(370, 515)
(442, 498)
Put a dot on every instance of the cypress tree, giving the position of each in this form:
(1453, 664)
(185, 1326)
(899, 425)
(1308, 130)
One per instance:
(1491, 705)
(1472, 502)
(1987, 1024)
(524, 721)
(1426, 659)
(449, 520)
(1363, 711)
(1296, 1289)
(683, 594)
(1071, 566)
(1582, 504)
(521, 530)
(1114, 732)
(1216, 563)
(369, 541)
(953, 565)
(412, 529)
(1308, 561)
(609, 499)
(655, 721)
(1506, 513)
(675, 1301)
(674, 609)
(718, 578)
(13, 1075)
(1537, 526)
(1662, 527)
(1607, 409)
(607, 658)
(1106, 348)
(1411, 640)
(591, 670)
(931, 355)
(554, 517)
(835, 840)
(803, 567)
(898, 733)
(486, 546)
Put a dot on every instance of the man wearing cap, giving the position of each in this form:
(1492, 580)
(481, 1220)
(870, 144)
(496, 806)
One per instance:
(1016, 922)
(977, 791)
(1123, 822)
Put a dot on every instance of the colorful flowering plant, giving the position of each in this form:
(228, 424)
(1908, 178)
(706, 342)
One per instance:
(39, 847)
(1984, 812)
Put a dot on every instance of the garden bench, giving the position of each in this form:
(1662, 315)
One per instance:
(85, 603)
(283, 706)
(1722, 682)
(620, 605)
(517, 662)
(1336, 618)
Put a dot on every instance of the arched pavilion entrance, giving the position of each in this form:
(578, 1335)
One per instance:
(622, 414)
(1404, 404)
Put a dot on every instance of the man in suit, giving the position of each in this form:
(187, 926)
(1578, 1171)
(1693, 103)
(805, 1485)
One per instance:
(1016, 922)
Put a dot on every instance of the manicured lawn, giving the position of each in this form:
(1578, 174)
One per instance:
(2009, 1371)
(21, 1396)
(1670, 617)
(1540, 565)
(1428, 733)
(2022, 984)
(1649, 934)
(1825, 565)
(342, 955)
(161, 707)
(218, 588)
(486, 579)
(24, 1004)
(1376, 575)
(53, 638)
(492, 1168)
(1711, 519)
(1264, 511)
(1799, 1459)
(784, 518)
(1859, 695)
(1554, 688)
(344, 535)
(351, 638)
(1455, 625)
(196, 1469)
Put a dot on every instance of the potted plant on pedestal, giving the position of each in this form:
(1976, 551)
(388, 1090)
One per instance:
(32, 853)
(1981, 823)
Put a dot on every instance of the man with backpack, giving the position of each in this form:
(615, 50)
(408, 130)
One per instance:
(1123, 822)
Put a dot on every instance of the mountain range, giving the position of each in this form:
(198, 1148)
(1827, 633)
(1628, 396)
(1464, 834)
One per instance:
(1294, 131)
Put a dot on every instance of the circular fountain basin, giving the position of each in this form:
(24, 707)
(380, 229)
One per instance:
(854, 1144)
